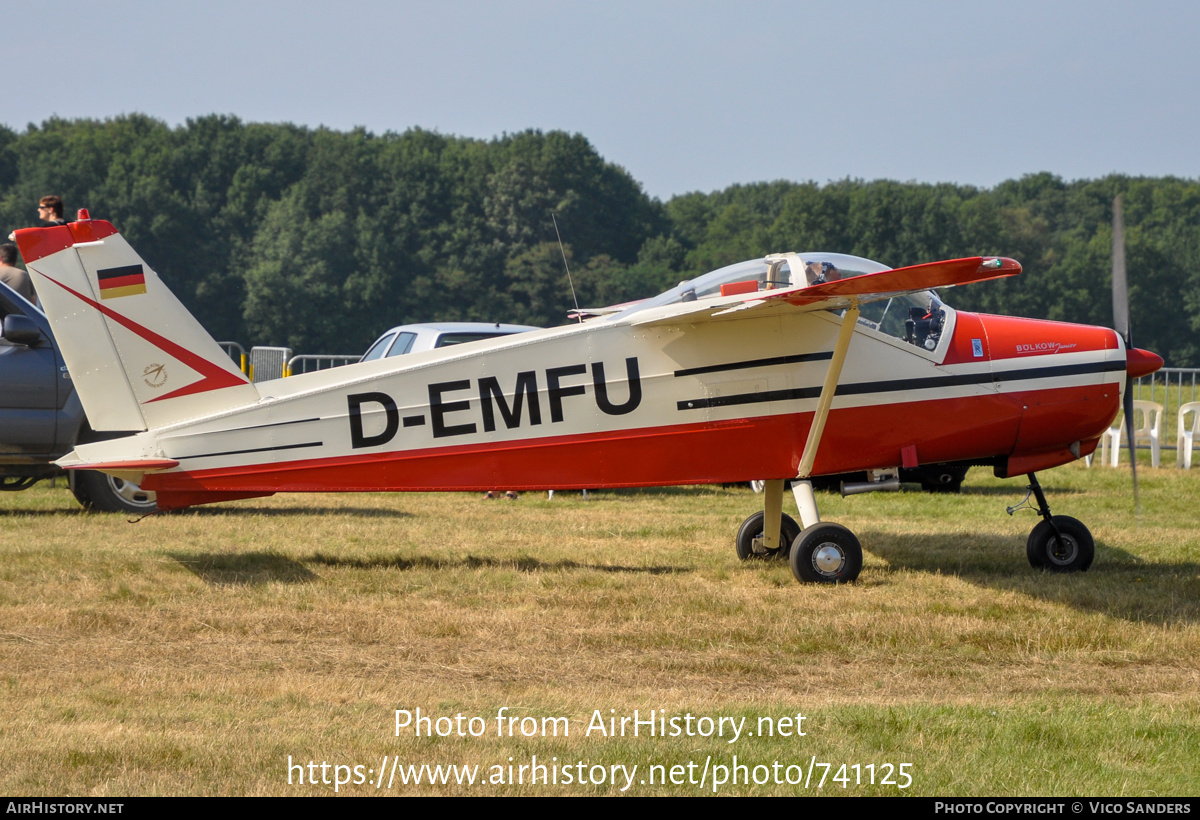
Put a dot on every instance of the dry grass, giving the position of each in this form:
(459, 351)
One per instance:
(193, 653)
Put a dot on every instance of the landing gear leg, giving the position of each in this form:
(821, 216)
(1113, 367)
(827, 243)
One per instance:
(772, 512)
(770, 533)
(806, 502)
(823, 553)
(1058, 543)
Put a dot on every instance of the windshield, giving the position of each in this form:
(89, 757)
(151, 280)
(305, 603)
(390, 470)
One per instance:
(917, 318)
(782, 270)
(379, 348)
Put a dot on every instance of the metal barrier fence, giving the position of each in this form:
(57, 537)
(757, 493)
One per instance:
(1174, 385)
(1170, 387)
(238, 354)
(268, 363)
(310, 362)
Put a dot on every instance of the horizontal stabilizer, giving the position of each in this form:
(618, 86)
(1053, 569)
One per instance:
(112, 456)
(147, 465)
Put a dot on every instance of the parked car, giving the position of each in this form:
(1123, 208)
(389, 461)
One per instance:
(415, 338)
(41, 418)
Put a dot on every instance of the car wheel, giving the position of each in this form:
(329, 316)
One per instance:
(106, 493)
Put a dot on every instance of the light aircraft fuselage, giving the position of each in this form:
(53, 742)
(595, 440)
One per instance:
(731, 377)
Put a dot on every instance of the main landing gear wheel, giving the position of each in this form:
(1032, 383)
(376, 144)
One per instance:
(749, 537)
(826, 554)
(1073, 551)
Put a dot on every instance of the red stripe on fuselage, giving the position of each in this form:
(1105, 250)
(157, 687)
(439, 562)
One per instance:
(856, 438)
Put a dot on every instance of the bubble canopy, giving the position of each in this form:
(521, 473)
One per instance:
(771, 272)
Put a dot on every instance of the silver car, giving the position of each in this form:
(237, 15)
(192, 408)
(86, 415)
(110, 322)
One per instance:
(415, 338)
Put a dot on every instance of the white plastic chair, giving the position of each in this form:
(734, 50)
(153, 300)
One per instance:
(1187, 435)
(1147, 420)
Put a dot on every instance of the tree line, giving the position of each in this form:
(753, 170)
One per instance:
(319, 239)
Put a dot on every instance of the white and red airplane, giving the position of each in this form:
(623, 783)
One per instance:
(785, 367)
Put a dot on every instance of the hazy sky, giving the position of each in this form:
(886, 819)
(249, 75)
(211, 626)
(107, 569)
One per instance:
(685, 95)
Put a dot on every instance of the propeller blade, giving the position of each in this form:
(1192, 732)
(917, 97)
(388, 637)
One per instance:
(1120, 295)
(1128, 403)
(1120, 288)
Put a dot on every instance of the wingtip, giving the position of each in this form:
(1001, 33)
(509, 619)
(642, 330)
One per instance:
(1000, 265)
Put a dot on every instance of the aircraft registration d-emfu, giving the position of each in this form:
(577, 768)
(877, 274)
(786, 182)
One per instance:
(787, 367)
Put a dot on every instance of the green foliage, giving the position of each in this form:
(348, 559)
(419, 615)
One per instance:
(1060, 232)
(318, 239)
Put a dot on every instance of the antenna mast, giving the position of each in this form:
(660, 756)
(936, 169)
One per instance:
(568, 267)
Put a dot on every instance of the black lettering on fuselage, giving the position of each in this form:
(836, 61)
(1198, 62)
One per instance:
(635, 388)
(391, 414)
(438, 408)
(557, 392)
(491, 396)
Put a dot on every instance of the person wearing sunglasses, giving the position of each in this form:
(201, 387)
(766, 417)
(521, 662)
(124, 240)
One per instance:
(50, 212)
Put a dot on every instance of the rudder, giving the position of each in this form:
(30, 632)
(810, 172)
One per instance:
(137, 357)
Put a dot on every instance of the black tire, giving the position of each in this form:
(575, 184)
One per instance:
(752, 528)
(1073, 554)
(951, 486)
(105, 493)
(937, 478)
(826, 554)
(1035, 551)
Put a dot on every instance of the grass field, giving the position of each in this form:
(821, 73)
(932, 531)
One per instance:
(196, 653)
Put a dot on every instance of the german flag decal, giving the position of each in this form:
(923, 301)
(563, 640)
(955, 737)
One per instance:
(123, 281)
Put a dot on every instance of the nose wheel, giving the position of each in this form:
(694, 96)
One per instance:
(1059, 543)
(1065, 545)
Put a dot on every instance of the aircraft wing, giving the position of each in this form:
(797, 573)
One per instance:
(842, 293)
(905, 280)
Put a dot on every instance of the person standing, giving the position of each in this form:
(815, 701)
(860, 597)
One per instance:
(15, 277)
(50, 212)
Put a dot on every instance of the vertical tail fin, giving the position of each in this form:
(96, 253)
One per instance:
(137, 357)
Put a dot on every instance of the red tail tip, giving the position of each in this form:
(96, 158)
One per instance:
(83, 215)
(1140, 362)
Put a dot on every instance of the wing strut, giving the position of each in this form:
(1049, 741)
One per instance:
(802, 487)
